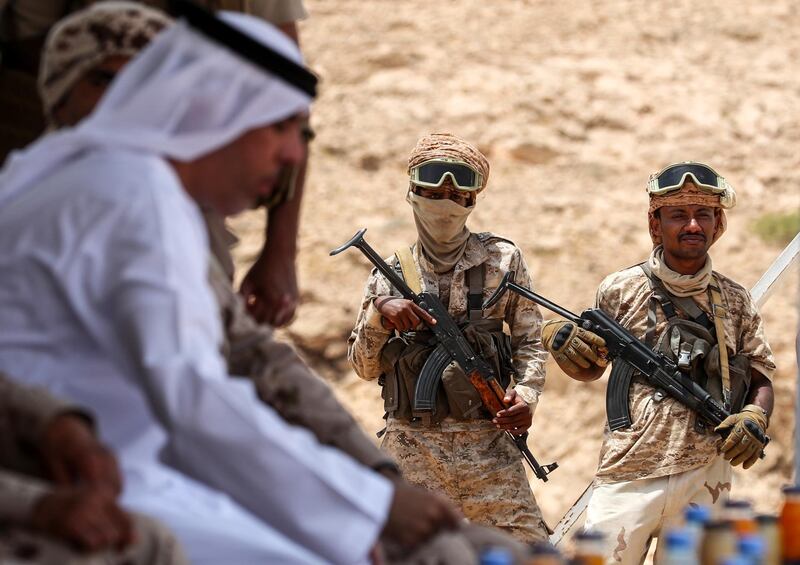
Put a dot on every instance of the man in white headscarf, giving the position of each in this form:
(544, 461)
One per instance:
(104, 259)
(462, 450)
(666, 459)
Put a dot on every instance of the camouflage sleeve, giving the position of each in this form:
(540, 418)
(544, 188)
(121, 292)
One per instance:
(525, 323)
(753, 341)
(605, 299)
(25, 412)
(285, 382)
(18, 495)
(369, 336)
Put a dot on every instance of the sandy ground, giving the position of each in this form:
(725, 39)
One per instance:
(574, 103)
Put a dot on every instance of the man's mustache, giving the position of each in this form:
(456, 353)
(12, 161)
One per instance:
(685, 235)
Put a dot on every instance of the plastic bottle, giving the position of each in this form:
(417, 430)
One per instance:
(681, 549)
(589, 548)
(771, 534)
(543, 553)
(496, 556)
(696, 518)
(741, 516)
(751, 548)
(719, 543)
(790, 525)
(735, 560)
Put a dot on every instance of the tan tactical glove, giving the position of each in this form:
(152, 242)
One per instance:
(574, 348)
(741, 446)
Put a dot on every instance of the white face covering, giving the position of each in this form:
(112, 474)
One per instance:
(441, 229)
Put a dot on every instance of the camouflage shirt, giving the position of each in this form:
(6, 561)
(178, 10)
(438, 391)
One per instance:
(522, 316)
(662, 439)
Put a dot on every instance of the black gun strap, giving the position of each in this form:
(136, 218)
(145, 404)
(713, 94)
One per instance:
(668, 303)
(475, 276)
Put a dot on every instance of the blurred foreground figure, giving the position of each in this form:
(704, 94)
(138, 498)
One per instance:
(137, 310)
(462, 450)
(708, 325)
(58, 490)
(270, 286)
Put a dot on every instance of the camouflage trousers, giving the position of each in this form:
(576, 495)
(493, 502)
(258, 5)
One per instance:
(154, 545)
(481, 471)
(632, 513)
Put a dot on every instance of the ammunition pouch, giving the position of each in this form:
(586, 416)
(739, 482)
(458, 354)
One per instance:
(403, 358)
(693, 345)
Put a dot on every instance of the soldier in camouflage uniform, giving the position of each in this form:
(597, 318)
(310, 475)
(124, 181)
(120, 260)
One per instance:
(666, 460)
(63, 522)
(462, 451)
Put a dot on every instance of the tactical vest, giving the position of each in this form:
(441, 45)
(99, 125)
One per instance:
(693, 343)
(405, 354)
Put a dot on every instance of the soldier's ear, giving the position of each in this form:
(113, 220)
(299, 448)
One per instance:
(654, 220)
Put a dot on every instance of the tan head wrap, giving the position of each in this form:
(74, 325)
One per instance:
(441, 224)
(689, 194)
(438, 145)
(86, 38)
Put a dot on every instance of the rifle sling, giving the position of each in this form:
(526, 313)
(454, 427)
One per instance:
(475, 297)
(720, 312)
(408, 269)
(668, 301)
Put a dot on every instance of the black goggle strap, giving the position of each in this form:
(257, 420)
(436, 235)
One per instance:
(246, 47)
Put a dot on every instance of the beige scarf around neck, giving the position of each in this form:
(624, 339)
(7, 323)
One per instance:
(676, 283)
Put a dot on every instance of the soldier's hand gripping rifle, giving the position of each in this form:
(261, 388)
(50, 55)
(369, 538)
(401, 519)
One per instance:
(452, 346)
(629, 355)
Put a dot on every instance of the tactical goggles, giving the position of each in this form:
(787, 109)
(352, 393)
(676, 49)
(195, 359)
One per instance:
(433, 173)
(672, 178)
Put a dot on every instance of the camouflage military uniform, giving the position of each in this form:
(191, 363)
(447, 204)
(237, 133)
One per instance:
(661, 452)
(470, 461)
(24, 414)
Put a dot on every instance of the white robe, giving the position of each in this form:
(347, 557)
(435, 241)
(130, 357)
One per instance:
(103, 298)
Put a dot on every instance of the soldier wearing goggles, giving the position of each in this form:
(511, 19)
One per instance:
(710, 327)
(460, 449)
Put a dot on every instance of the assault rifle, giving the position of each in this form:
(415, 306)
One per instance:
(629, 355)
(452, 346)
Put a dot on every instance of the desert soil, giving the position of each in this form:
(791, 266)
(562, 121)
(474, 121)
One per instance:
(574, 103)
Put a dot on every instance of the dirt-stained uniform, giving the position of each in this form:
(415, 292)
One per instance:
(25, 412)
(471, 461)
(662, 451)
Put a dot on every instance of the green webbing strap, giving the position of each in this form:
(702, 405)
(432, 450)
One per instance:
(409, 267)
(720, 313)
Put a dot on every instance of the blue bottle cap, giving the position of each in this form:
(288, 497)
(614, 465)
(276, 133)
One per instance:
(680, 539)
(496, 556)
(731, 503)
(752, 546)
(589, 535)
(697, 514)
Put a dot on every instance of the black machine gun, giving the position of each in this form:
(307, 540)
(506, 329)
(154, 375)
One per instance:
(452, 346)
(629, 355)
